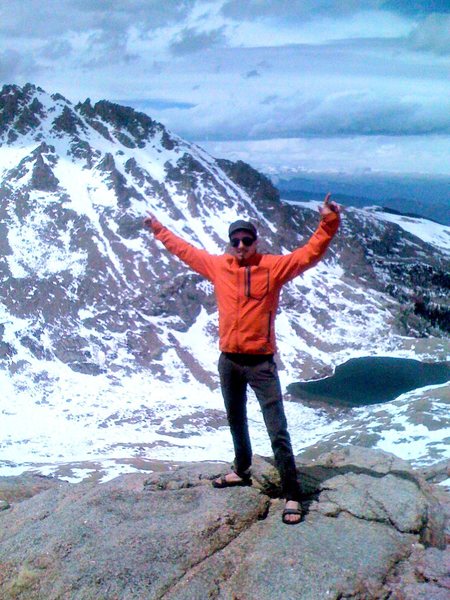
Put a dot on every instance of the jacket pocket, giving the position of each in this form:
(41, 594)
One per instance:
(256, 283)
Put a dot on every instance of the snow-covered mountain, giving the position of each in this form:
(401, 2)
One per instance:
(108, 345)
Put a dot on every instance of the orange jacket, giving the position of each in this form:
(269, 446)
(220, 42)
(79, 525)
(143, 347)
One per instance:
(247, 296)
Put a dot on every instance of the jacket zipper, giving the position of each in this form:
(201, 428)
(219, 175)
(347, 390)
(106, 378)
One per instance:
(247, 282)
(269, 326)
(238, 316)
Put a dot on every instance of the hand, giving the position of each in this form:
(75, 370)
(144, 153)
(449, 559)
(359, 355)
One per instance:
(151, 221)
(329, 206)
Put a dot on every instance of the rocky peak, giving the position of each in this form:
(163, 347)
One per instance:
(257, 185)
(129, 126)
(42, 176)
(20, 110)
(69, 122)
(30, 110)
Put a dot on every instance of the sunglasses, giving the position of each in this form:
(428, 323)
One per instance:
(247, 241)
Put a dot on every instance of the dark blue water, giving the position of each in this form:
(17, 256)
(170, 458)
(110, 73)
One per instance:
(371, 380)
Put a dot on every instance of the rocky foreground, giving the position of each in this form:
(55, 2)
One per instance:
(374, 528)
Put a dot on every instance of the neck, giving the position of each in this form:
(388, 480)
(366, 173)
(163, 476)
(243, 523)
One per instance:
(243, 262)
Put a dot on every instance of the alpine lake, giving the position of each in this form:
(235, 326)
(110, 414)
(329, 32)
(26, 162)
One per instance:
(370, 380)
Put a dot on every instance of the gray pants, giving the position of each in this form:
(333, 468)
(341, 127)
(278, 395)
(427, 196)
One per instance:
(260, 372)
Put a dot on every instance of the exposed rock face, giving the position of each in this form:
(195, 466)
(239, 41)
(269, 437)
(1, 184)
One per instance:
(74, 206)
(373, 529)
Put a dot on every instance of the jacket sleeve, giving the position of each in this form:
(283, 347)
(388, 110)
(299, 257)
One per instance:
(200, 261)
(288, 266)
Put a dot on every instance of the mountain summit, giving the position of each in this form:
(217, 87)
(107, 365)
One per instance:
(90, 300)
(76, 183)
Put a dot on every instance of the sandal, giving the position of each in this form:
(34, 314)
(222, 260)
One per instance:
(291, 511)
(223, 482)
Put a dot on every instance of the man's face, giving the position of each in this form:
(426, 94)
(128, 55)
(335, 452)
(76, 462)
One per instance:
(243, 245)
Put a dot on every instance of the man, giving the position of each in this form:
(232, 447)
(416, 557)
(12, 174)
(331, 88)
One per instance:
(247, 286)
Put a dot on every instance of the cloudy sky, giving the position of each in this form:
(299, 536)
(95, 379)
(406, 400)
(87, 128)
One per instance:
(319, 85)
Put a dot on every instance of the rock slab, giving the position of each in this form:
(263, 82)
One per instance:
(373, 529)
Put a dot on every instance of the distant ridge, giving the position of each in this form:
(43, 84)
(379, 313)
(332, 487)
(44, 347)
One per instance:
(425, 196)
(392, 211)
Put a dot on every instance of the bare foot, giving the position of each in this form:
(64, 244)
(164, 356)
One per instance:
(231, 479)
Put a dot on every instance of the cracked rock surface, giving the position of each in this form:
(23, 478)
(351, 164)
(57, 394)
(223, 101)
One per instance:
(373, 529)
(388, 500)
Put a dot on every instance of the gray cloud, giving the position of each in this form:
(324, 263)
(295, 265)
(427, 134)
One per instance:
(106, 24)
(148, 104)
(426, 154)
(16, 67)
(191, 40)
(118, 15)
(344, 115)
(416, 7)
(293, 10)
(252, 73)
(366, 114)
(300, 10)
(270, 99)
(103, 49)
(57, 49)
(34, 18)
(393, 85)
(432, 35)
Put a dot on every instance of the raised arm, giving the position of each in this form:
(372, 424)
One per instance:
(290, 265)
(200, 261)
